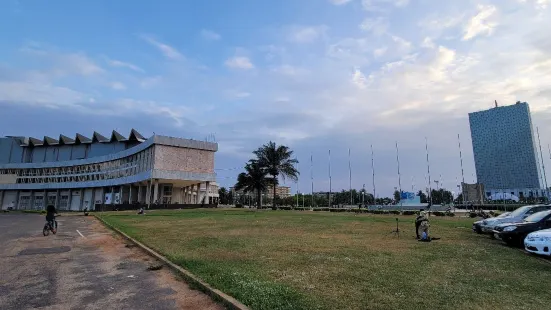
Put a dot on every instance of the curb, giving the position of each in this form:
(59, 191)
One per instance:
(190, 278)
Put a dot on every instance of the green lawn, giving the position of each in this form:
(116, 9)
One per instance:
(310, 260)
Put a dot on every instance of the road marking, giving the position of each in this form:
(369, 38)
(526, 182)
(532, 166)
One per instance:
(80, 234)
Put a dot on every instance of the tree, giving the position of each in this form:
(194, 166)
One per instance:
(276, 161)
(396, 196)
(223, 195)
(253, 180)
(422, 197)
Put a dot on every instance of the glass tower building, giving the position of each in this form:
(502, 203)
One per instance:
(504, 148)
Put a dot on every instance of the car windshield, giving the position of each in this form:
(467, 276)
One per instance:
(538, 216)
(520, 211)
(504, 215)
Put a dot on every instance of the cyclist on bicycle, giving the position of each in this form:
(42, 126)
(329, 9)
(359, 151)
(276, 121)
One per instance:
(50, 216)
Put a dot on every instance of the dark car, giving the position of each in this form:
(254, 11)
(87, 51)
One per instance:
(514, 233)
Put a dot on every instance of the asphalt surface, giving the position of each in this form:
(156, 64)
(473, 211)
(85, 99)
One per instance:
(97, 270)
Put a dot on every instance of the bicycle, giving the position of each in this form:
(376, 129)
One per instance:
(49, 226)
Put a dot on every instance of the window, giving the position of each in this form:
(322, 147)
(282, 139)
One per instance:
(167, 190)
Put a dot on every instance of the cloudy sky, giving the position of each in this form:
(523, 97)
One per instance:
(312, 74)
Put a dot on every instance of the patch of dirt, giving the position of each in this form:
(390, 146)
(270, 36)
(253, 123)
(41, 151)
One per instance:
(185, 297)
(119, 252)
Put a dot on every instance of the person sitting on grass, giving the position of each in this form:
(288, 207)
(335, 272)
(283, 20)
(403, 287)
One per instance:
(421, 223)
(141, 211)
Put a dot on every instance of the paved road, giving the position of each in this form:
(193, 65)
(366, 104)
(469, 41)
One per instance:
(97, 271)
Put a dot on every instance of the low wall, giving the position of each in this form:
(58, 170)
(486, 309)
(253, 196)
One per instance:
(124, 207)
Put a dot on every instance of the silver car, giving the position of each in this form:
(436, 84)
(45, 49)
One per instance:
(487, 225)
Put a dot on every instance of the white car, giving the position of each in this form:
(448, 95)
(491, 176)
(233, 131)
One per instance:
(538, 242)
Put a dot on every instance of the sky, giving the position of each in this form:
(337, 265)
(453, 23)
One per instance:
(315, 75)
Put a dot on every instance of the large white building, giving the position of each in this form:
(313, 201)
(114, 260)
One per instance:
(83, 172)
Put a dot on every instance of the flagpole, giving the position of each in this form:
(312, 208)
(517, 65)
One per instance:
(542, 163)
(329, 178)
(350, 177)
(297, 182)
(462, 174)
(428, 170)
(399, 177)
(373, 174)
(312, 177)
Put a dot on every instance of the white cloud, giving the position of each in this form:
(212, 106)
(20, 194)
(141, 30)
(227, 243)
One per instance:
(210, 35)
(289, 70)
(382, 5)
(379, 52)
(306, 34)
(481, 23)
(167, 50)
(118, 86)
(427, 43)
(339, 2)
(377, 26)
(237, 94)
(359, 79)
(122, 64)
(239, 62)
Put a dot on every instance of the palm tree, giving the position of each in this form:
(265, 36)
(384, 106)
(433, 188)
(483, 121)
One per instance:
(276, 160)
(222, 194)
(253, 180)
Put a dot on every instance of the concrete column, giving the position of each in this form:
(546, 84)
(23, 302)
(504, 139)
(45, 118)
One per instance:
(91, 203)
(120, 194)
(198, 194)
(57, 199)
(2, 200)
(16, 205)
(31, 201)
(69, 201)
(207, 193)
(112, 195)
(181, 195)
(130, 194)
(148, 194)
(45, 200)
(139, 193)
(156, 192)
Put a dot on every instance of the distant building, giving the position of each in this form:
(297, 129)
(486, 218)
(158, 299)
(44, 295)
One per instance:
(473, 193)
(281, 192)
(505, 153)
(82, 172)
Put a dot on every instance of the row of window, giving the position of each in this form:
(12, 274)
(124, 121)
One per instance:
(123, 167)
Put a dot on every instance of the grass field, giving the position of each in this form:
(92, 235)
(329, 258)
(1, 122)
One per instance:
(309, 260)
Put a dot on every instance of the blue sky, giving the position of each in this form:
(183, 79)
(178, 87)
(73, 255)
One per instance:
(312, 74)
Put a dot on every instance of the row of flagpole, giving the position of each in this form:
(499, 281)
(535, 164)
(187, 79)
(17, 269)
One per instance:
(429, 183)
(374, 193)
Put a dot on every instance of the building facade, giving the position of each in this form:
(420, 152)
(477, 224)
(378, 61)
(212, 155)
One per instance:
(504, 148)
(79, 173)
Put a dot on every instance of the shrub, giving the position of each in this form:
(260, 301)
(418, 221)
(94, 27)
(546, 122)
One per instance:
(438, 213)
(450, 214)
(409, 212)
(285, 208)
(396, 212)
(239, 205)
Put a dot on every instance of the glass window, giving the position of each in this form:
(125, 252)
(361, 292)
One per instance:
(538, 216)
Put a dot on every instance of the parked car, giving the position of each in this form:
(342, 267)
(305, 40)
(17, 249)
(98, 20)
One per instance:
(516, 216)
(477, 226)
(514, 233)
(538, 242)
